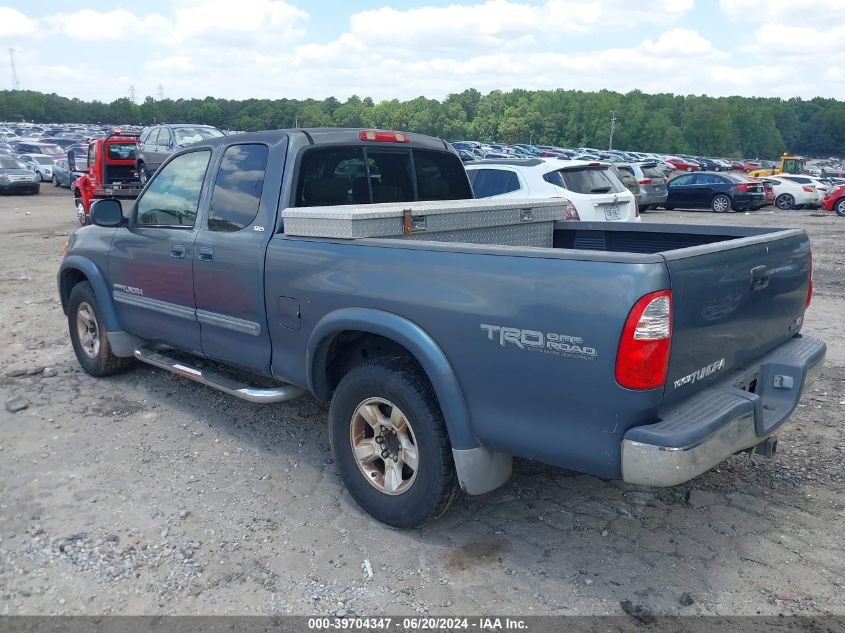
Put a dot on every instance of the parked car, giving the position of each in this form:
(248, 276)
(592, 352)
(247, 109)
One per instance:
(15, 177)
(65, 175)
(652, 183)
(791, 195)
(32, 147)
(63, 143)
(594, 190)
(768, 189)
(157, 143)
(41, 164)
(821, 186)
(835, 200)
(721, 193)
(605, 349)
(683, 164)
(626, 175)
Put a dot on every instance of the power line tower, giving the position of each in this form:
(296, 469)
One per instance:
(16, 84)
(612, 128)
(160, 92)
(132, 93)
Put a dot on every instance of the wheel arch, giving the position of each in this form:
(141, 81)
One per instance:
(76, 269)
(338, 325)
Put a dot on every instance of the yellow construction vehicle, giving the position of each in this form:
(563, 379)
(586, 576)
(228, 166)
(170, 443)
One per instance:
(788, 165)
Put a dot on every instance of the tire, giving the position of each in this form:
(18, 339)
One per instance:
(56, 183)
(143, 174)
(40, 176)
(372, 401)
(785, 202)
(839, 207)
(721, 203)
(689, 168)
(88, 334)
(79, 206)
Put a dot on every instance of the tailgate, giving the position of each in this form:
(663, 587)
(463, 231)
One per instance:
(733, 301)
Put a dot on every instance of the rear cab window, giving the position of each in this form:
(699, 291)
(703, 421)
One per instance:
(366, 175)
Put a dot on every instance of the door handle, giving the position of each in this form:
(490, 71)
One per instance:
(206, 254)
(177, 251)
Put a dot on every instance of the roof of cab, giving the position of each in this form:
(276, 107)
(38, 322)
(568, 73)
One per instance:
(330, 136)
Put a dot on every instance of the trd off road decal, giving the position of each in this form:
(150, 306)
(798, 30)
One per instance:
(545, 342)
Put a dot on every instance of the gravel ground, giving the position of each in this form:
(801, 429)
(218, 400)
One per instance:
(149, 494)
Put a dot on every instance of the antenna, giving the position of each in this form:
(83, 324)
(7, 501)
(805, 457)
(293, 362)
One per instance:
(16, 84)
(132, 93)
(160, 92)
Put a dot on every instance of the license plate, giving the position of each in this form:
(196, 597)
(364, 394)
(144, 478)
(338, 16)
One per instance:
(612, 213)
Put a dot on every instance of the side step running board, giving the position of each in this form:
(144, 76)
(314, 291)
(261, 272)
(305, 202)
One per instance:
(217, 380)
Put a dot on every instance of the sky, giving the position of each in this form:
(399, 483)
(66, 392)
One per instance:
(239, 49)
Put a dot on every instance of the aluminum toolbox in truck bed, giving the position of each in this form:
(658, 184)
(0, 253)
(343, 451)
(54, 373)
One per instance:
(507, 222)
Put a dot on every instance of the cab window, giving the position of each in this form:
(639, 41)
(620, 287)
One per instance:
(172, 198)
(237, 189)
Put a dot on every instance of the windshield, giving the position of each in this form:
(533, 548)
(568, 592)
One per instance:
(10, 163)
(586, 180)
(50, 150)
(188, 135)
(43, 160)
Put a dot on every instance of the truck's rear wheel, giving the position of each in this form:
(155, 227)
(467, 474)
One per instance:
(390, 443)
(88, 334)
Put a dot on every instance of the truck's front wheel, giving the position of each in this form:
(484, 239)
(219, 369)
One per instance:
(88, 334)
(390, 443)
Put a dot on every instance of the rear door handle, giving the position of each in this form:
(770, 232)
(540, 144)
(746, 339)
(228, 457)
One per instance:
(206, 254)
(177, 251)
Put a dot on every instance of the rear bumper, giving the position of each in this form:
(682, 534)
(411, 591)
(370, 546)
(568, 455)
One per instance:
(695, 435)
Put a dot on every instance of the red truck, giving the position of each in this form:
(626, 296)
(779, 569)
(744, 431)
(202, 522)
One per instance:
(110, 172)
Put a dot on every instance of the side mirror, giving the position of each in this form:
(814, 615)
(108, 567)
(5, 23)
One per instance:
(107, 212)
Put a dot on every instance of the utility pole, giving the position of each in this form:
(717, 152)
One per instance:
(160, 92)
(296, 121)
(612, 128)
(16, 84)
(132, 93)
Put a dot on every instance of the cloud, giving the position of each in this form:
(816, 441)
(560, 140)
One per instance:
(13, 23)
(494, 24)
(94, 26)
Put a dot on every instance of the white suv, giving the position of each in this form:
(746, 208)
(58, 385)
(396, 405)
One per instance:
(592, 187)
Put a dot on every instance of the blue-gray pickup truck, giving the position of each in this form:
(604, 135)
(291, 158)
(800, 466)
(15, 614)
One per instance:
(449, 334)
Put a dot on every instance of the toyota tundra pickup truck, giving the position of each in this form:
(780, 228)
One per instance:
(449, 334)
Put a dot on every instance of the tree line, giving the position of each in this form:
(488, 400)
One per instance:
(701, 125)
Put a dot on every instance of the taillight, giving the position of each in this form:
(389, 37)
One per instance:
(643, 356)
(645, 181)
(807, 188)
(810, 284)
(742, 187)
(570, 212)
(384, 137)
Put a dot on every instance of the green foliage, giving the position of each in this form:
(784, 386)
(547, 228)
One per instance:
(725, 126)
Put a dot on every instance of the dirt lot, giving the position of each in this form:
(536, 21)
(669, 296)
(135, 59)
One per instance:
(146, 493)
